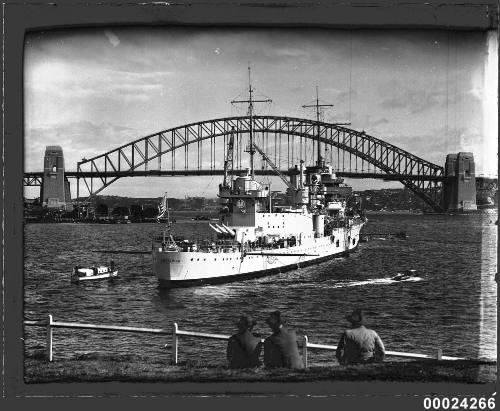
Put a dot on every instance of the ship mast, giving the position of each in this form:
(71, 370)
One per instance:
(317, 106)
(250, 102)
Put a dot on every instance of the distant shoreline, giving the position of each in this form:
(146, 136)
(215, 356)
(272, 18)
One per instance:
(405, 212)
(183, 215)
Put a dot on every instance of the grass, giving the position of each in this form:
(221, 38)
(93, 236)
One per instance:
(125, 368)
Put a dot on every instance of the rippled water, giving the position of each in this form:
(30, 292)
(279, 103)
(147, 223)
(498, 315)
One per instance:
(451, 305)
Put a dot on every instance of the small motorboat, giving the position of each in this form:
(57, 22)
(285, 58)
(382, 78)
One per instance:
(94, 273)
(404, 276)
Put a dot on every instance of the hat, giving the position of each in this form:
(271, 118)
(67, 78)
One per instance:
(274, 318)
(356, 317)
(246, 322)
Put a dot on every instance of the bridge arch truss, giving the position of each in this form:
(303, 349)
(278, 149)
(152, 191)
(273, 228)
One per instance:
(202, 145)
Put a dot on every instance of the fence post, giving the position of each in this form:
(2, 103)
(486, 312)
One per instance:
(49, 338)
(175, 340)
(304, 351)
(439, 354)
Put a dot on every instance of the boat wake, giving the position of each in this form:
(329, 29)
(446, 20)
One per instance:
(226, 290)
(351, 283)
(375, 281)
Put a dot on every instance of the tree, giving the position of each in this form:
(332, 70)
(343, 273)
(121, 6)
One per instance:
(101, 210)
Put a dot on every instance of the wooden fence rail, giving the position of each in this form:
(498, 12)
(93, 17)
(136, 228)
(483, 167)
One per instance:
(50, 324)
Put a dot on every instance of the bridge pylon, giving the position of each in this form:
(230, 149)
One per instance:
(459, 188)
(55, 191)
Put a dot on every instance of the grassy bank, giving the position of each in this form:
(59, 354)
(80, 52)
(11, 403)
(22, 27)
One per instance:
(97, 368)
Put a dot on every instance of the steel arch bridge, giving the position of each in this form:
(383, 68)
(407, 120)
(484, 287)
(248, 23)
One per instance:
(284, 139)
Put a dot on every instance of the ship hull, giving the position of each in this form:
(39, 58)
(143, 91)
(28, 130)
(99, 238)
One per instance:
(186, 269)
(166, 283)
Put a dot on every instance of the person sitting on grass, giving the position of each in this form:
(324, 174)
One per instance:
(244, 347)
(359, 345)
(280, 348)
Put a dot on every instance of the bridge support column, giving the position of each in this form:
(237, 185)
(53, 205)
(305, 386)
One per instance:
(459, 188)
(55, 191)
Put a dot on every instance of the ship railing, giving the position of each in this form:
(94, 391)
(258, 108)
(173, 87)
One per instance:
(218, 247)
(218, 250)
(205, 245)
(228, 246)
(175, 333)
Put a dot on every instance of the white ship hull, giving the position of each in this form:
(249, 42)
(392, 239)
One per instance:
(181, 269)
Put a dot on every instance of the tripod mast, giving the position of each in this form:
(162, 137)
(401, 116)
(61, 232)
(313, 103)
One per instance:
(317, 106)
(250, 102)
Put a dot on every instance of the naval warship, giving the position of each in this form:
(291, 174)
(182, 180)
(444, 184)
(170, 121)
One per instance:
(258, 236)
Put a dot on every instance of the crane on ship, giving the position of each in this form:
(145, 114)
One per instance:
(273, 166)
(228, 162)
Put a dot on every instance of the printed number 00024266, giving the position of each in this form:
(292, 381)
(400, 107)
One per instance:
(455, 403)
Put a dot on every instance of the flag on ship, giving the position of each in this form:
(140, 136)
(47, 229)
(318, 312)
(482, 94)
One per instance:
(162, 208)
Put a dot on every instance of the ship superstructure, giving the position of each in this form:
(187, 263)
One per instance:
(256, 235)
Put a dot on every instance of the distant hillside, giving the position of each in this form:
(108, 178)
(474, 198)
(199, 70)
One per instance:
(188, 203)
(393, 199)
(374, 200)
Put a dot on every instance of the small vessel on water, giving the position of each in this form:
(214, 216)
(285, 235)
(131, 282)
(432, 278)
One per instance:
(318, 220)
(94, 273)
(406, 275)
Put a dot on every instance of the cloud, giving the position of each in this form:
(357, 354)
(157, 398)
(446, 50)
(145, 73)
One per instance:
(342, 95)
(415, 101)
(112, 37)
(282, 55)
(437, 143)
(70, 80)
(365, 122)
(376, 122)
(338, 95)
(291, 53)
(418, 100)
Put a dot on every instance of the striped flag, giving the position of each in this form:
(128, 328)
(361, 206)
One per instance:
(162, 208)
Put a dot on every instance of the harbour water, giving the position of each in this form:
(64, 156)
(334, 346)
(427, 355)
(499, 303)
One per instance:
(450, 305)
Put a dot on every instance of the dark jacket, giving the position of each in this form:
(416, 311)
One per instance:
(360, 345)
(281, 350)
(243, 350)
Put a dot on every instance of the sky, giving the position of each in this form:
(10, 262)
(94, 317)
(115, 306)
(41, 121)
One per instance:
(428, 92)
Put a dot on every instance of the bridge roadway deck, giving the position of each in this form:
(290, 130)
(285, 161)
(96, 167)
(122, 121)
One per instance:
(178, 173)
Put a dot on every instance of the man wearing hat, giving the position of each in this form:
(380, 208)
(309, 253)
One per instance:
(244, 348)
(359, 344)
(280, 348)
